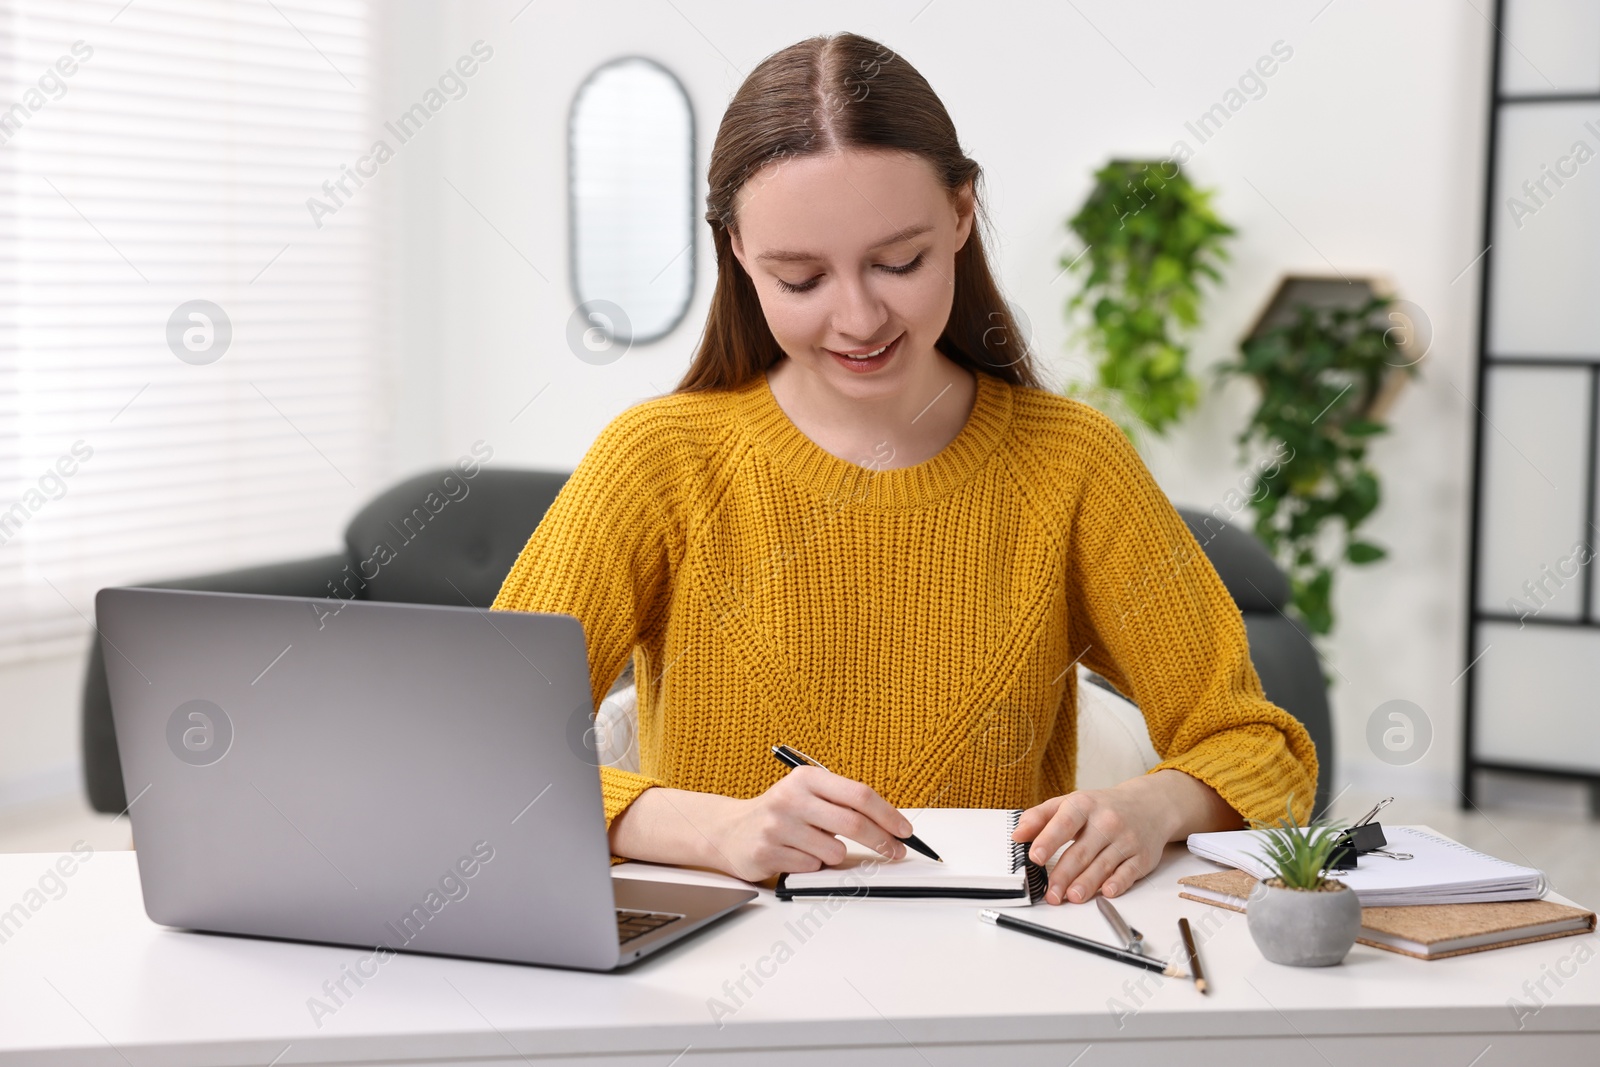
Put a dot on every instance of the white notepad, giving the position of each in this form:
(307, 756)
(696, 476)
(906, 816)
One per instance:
(1442, 871)
(981, 862)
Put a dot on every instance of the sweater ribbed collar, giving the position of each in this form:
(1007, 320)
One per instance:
(820, 472)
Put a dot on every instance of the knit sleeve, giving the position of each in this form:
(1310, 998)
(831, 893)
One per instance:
(604, 553)
(1160, 626)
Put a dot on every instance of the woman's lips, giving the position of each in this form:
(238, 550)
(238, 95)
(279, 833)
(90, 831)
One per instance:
(861, 366)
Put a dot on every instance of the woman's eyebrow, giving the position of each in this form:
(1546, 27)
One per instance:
(779, 256)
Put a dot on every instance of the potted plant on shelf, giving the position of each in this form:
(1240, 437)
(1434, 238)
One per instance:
(1328, 372)
(1300, 917)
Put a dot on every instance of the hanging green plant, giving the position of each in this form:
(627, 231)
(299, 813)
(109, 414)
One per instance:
(1326, 379)
(1148, 235)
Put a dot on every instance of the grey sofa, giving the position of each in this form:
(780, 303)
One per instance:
(460, 553)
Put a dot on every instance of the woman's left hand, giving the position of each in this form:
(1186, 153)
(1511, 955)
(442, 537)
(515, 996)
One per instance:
(1118, 834)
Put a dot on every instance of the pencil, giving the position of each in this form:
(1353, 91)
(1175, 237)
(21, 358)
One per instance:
(1194, 956)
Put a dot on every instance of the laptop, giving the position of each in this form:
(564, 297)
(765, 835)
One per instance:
(410, 776)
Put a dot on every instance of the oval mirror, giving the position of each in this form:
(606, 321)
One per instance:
(631, 187)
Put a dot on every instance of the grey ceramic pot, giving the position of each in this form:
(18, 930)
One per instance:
(1303, 928)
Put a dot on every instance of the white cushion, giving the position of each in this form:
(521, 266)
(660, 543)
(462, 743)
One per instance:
(1113, 742)
(616, 732)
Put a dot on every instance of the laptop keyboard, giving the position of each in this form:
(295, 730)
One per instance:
(632, 924)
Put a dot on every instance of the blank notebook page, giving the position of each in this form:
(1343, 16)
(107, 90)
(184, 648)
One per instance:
(975, 844)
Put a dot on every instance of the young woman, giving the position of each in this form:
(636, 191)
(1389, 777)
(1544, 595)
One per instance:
(861, 527)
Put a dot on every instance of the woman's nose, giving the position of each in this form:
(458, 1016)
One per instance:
(860, 315)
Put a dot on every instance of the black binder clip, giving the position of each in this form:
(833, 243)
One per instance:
(1361, 838)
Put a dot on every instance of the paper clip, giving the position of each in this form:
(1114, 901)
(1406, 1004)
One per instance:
(1364, 837)
(1386, 852)
(1373, 814)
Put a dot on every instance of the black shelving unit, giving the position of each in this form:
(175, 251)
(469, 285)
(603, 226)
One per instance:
(1492, 369)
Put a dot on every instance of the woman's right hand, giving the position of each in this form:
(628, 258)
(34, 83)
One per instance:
(791, 826)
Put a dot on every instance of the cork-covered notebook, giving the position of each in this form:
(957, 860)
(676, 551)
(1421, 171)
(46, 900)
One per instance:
(1426, 931)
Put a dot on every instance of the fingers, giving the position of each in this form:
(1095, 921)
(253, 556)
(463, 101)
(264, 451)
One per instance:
(799, 816)
(1110, 858)
(1065, 824)
(790, 845)
(780, 858)
(858, 797)
(1103, 831)
(1034, 819)
(765, 837)
(817, 844)
(1113, 850)
(848, 822)
(1123, 877)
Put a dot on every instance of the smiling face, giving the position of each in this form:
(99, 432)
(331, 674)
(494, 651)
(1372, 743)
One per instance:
(849, 251)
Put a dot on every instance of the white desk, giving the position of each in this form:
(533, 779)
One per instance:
(87, 979)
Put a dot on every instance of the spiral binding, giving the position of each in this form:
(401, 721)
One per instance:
(1037, 876)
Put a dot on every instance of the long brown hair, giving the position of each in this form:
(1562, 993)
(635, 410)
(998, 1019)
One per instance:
(817, 96)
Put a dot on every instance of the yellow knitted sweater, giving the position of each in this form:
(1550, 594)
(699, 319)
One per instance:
(914, 628)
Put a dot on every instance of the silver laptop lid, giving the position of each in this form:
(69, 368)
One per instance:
(413, 776)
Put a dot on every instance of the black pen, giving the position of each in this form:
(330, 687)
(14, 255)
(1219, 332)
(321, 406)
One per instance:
(795, 758)
(1050, 933)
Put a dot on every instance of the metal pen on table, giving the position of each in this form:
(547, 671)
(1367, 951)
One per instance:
(1132, 939)
(1050, 933)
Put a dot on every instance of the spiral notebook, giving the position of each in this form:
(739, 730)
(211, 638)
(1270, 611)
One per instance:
(1441, 871)
(981, 862)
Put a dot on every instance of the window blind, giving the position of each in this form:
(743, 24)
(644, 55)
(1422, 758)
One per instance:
(190, 366)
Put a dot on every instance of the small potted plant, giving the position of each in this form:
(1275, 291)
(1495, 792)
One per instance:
(1298, 916)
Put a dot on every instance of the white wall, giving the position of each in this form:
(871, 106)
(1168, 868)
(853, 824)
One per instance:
(39, 720)
(1366, 149)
